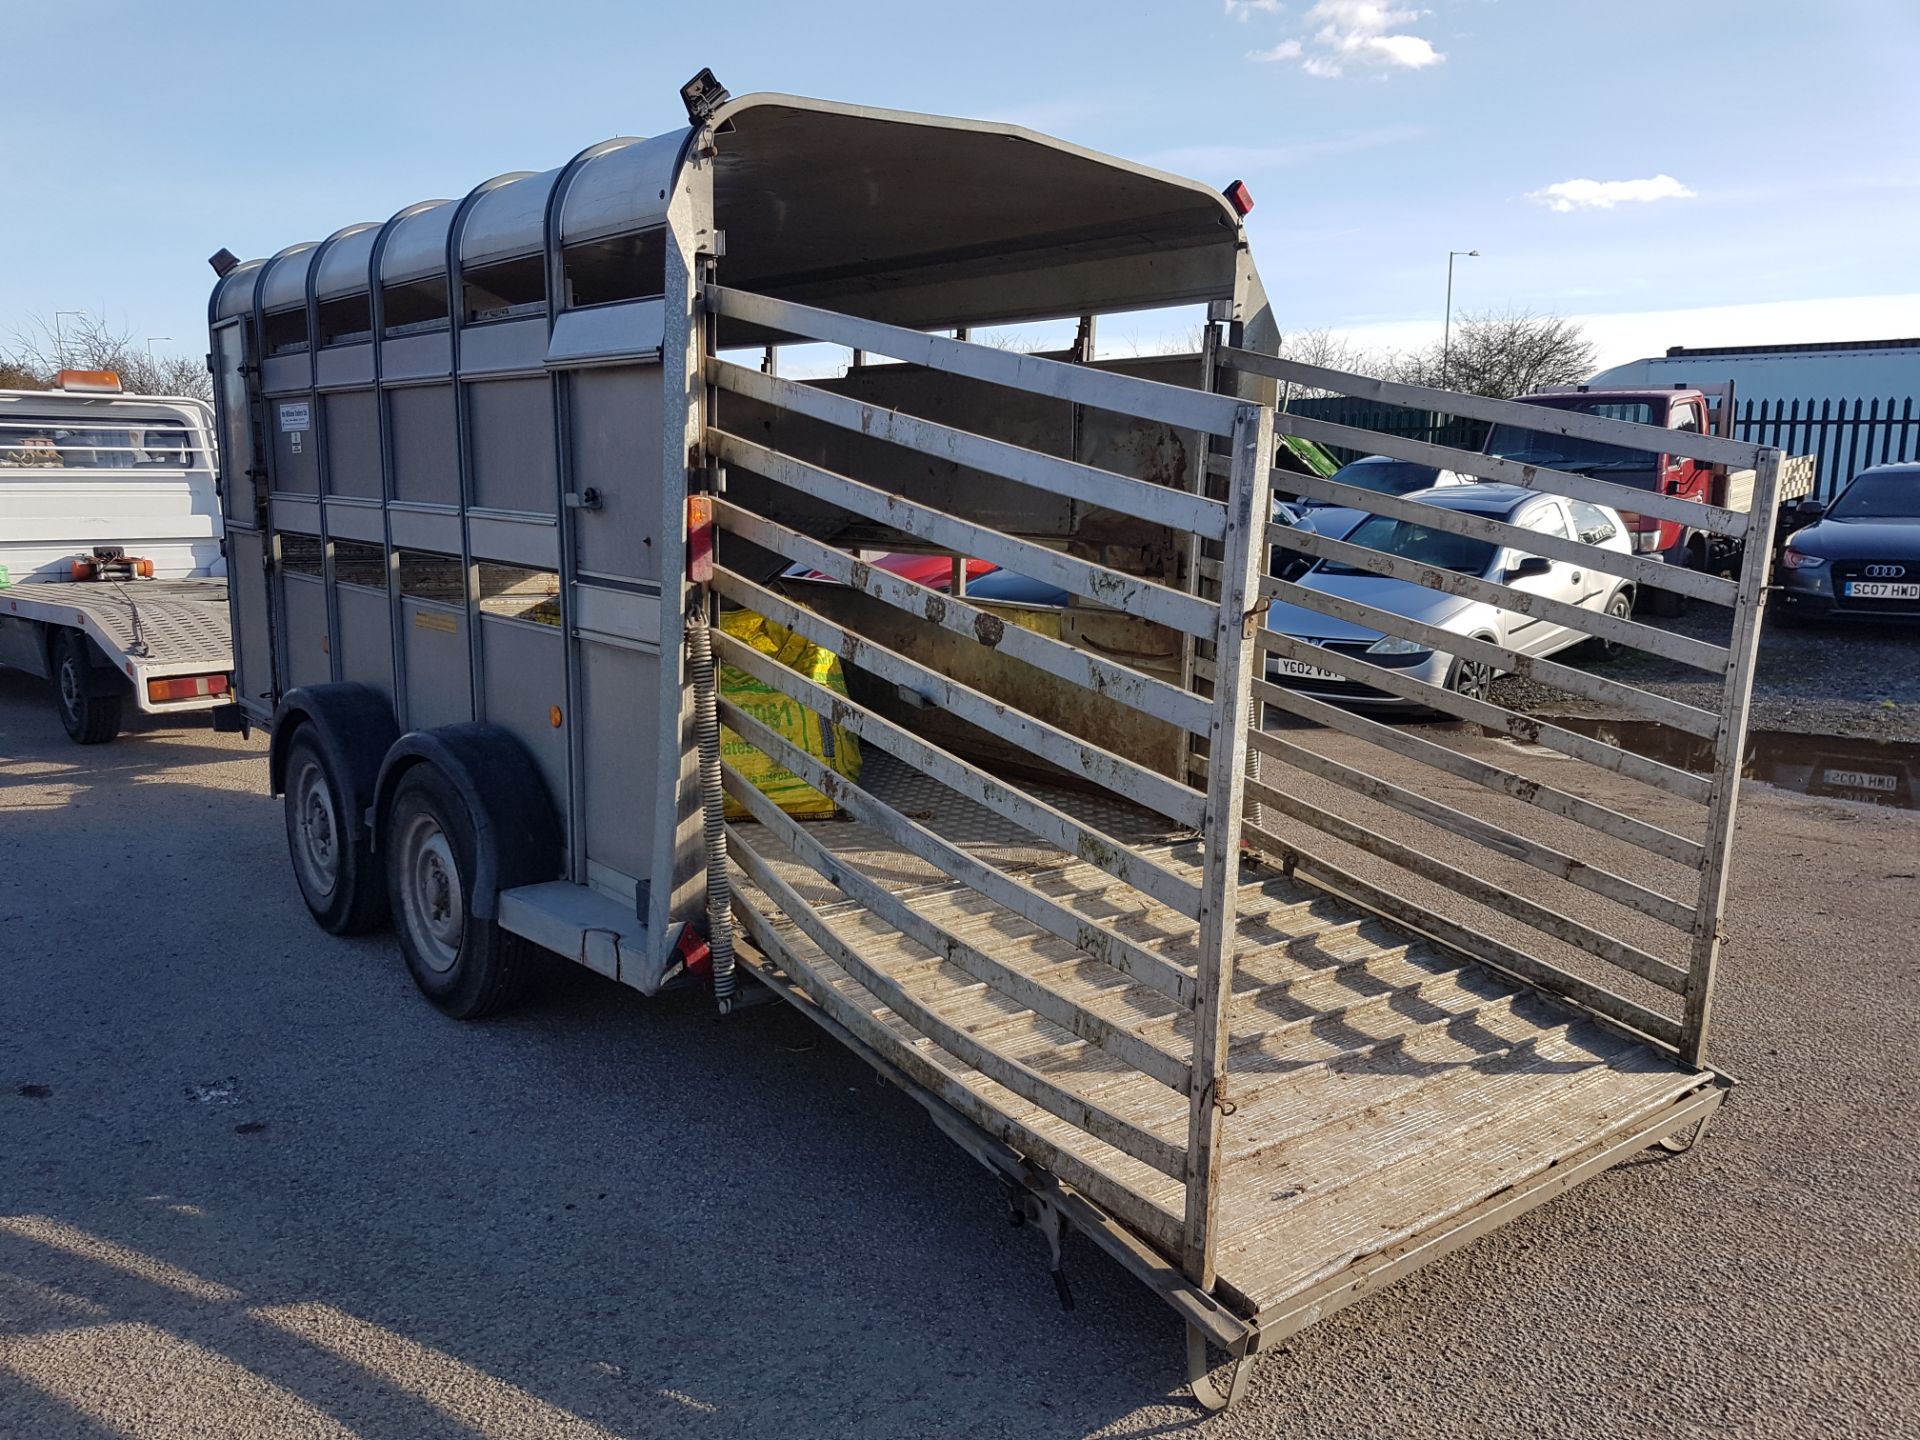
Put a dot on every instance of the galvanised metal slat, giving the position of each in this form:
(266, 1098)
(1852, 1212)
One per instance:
(1694, 584)
(1132, 688)
(1521, 727)
(1111, 772)
(1036, 817)
(1664, 643)
(1116, 589)
(1096, 940)
(1480, 407)
(1101, 389)
(1675, 713)
(1156, 504)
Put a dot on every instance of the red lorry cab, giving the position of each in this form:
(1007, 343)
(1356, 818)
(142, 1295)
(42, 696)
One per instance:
(1672, 409)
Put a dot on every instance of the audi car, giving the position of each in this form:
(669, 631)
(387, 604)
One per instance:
(1860, 559)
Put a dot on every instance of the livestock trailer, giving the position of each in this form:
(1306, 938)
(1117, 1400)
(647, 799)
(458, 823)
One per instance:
(496, 468)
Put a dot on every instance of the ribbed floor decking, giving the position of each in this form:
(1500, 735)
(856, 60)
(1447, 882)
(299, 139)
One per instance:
(1380, 1086)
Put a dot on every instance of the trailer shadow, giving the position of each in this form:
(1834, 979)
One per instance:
(256, 1185)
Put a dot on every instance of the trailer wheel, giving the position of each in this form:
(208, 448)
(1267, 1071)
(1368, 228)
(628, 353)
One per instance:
(90, 717)
(332, 855)
(465, 964)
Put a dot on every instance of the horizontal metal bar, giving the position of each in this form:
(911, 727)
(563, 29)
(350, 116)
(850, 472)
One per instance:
(1470, 827)
(1509, 412)
(1401, 741)
(1035, 816)
(1131, 593)
(1664, 643)
(1157, 504)
(1101, 389)
(1123, 777)
(1126, 1047)
(948, 1088)
(1525, 728)
(1120, 683)
(1470, 886)
(1089, 936)
(1670, 712)
(1628, 499)
(1463, 940)
(1029, 1084)
(1695, 584)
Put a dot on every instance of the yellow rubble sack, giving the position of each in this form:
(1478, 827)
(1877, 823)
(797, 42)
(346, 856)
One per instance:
(785, 716)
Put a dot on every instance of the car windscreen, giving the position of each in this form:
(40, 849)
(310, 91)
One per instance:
(1417, 543)
(1570, 452)
(59, 443)
(1383, 477)
(1894, 496)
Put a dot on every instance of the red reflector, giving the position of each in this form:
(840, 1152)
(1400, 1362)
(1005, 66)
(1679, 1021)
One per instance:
(1239, 197)
(700, 539)
(185, 687)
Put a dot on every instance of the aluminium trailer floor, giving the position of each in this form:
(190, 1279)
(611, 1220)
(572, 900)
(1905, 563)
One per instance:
(1390, 1098)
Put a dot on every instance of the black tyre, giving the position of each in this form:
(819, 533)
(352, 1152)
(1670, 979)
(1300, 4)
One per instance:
(90, 717)
(1471, 678)
(1621, 608)
(468, 967)
(1665, 603)
(332, 854)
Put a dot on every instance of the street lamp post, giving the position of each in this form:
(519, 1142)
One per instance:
(150, 340)
(1446, 330)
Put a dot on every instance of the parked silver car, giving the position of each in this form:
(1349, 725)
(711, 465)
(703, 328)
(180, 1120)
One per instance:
(1533, 574)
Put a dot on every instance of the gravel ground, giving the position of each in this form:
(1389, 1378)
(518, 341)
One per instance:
(251, 1185)
(1814, 678)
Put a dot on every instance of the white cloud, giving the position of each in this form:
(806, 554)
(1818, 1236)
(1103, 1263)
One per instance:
(1570, 195)
(1244, 10)
(1353, 33)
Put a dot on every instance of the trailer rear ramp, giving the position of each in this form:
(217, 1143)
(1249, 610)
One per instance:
(1164, 1000)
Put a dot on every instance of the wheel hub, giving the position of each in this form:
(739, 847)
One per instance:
(431, 899)
(317, 839)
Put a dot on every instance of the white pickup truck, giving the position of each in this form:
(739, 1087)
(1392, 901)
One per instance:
(112, 583)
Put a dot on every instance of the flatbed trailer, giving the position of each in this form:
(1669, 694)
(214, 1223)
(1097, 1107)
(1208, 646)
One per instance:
(161, 643)
(1269, 1028)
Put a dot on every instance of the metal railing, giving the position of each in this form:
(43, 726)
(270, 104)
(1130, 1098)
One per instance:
(1708, 799)
(1233, 530)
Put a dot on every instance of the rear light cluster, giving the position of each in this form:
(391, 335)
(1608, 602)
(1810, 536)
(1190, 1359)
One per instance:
(185, 687)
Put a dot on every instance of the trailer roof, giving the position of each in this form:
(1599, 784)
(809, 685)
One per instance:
(916, 219)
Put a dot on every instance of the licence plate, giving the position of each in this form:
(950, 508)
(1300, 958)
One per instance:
(1881, 590)
(1860, 780)
(1301, 670)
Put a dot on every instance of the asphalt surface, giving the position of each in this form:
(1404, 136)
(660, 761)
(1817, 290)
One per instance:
(252, 1185)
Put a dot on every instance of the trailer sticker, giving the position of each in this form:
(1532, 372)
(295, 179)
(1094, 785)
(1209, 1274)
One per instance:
(295, 417)
(432, 620)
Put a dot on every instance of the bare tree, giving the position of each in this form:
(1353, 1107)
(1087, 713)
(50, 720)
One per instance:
(78, 341)
(1329, 350)
(1502, 353)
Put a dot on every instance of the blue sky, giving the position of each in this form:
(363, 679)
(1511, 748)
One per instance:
(1752, 166)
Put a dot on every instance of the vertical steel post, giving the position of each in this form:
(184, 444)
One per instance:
(1240, 606)
(1729, 750)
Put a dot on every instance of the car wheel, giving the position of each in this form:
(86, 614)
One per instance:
(1471, 678)
(1620, 607)
(332, 857)
(89, 718)
(467, 966)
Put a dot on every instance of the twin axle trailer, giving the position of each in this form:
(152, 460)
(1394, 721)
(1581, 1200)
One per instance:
(1271, 1024)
